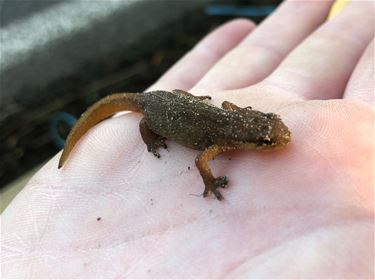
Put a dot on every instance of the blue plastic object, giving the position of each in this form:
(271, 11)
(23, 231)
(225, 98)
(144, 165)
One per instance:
(242, 11)
(60, 117)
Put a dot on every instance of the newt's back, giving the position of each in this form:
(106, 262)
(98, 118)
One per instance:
(184, 118)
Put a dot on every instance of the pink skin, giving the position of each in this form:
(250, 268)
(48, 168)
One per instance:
(304, 211)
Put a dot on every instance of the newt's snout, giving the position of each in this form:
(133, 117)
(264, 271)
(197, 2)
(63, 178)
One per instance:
(279, 134)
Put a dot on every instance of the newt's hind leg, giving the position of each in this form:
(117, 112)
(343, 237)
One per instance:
(151, 139)
(211, 183)
(182, 92)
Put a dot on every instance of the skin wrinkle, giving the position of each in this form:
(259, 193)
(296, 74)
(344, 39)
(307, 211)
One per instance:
(265, 254)
(37, 245)
(296, 233)
(342, 38)
(295, 35)
(147, 253)
(6, 258)
(341, 22)
(87, 247)
(84, 192)
(326, 44)
(49, 192)
(233, 213)
(315, 229)
(166, 177)
(220, 41)
(267, 49)
(306, 89)
(354, 53)
(108, 171)
(183, 82)
(204, 51)
(303, 208)
(336, 103)
(297, 11)
(274, 85)
(55, 206)
(113, 195)
(335, 29)
(119, 244)
(361, 80)
(207, 48)
(322, 156)
(9, 253)
(332, 166)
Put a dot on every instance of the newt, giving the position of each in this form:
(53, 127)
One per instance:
(190, 121)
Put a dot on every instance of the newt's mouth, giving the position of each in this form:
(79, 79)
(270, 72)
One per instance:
(278, 136)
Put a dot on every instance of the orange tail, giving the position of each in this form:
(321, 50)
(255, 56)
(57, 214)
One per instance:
(96, 113)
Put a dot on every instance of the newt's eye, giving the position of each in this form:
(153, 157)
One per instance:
(267, 142)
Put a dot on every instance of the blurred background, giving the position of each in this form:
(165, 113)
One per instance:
(57, 57)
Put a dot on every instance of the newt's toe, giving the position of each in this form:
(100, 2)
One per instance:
(221, 181)
(211, 187)
(154, 151)
(218, 195)
(154, 146)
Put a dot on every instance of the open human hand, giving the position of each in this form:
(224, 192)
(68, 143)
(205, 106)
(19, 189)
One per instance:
(116, 211)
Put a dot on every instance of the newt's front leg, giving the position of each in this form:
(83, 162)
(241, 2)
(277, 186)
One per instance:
(211, 183)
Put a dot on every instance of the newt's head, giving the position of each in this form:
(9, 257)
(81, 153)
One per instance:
(278, 134)
(261, 131)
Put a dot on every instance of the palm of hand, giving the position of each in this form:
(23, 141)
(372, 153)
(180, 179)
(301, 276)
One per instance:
(117, 211)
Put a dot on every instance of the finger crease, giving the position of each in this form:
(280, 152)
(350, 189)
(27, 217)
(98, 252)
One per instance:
(270, 50)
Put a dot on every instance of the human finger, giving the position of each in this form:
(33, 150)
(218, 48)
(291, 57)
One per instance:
(190, 69)
(259, 54)
(361, 83)
(320, 67)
